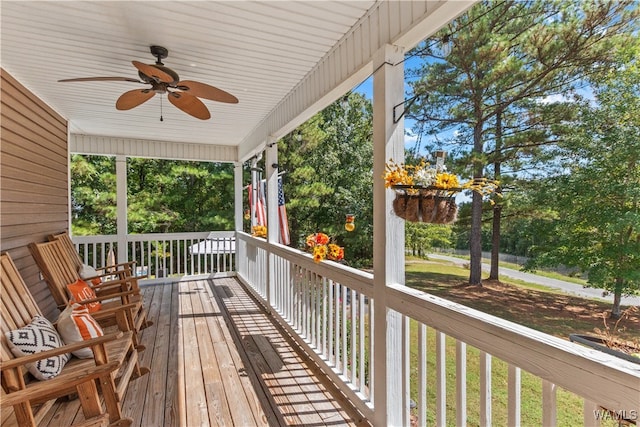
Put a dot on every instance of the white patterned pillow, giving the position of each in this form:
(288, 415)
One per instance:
(38, 336)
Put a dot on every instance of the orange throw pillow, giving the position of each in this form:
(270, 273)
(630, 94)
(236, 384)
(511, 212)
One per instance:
(81, 291)
(75, 324)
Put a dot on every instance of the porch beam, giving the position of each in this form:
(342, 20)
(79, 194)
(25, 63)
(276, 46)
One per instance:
(151, 149)
(388, 240)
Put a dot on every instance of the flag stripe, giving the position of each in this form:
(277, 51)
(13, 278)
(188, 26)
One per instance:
(282, 215)
(261, 206)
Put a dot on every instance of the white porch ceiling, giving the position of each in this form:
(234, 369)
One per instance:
(263, 52)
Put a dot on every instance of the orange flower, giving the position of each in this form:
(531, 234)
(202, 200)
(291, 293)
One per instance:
(322, 239)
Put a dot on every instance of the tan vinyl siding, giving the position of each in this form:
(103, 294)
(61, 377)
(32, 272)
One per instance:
(34, 196)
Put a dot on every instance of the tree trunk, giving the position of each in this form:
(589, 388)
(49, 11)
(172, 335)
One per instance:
(475, 236)
(617, 299)
(495, 242)
(475, 241)
(497, 208)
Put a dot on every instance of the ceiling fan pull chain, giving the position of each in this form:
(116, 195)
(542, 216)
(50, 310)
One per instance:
(161, 119)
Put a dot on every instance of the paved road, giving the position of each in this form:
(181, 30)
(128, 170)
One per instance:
(568, 287)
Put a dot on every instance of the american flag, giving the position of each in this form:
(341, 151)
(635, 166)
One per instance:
(282, 215)
(257, 205)
(261, 206)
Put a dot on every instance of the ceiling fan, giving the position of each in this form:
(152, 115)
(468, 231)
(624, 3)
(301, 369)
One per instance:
(183, 94)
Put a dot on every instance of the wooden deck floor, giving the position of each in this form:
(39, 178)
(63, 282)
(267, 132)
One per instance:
(217, 358)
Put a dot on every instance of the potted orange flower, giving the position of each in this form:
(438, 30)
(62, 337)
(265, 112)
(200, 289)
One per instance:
(320, 246)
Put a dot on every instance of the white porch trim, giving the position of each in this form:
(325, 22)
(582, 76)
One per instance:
(147, 148)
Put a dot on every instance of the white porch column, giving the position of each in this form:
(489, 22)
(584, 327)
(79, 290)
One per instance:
(238, 214)
(273, 225)
(388, 239)
(238, 193)
(122, 222)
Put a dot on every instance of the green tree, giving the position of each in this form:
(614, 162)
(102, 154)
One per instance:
(597, 200)
(420, 238)
(163, 195)
(505, 58)
(328, 163)
(178, 196)
(93, 194)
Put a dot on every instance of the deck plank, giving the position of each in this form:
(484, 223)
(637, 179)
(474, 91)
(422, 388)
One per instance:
(157, 340)
(210, 359)
(195, 396)
(262, 412)
(217, 358)
(175, 381)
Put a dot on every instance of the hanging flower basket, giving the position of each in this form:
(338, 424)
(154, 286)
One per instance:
(425, 204)
(426, 193)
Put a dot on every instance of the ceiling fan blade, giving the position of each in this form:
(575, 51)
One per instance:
(133, 98)
(102, 79)
(190, 105)
(151, 71)
(202, 90)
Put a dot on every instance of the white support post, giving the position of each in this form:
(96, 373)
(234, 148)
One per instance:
(273, 225)
(122, 222)
(238, 192)
(388, 238)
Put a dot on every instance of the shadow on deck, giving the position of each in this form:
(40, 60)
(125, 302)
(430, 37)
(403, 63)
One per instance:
(217, 358)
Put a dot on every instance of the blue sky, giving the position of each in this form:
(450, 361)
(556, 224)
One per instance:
(366, 88)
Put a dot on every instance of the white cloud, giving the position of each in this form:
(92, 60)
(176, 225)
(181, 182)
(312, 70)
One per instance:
(552, 99)
(410, 138)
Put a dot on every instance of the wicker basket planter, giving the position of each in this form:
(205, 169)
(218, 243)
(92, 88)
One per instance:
(425, 204)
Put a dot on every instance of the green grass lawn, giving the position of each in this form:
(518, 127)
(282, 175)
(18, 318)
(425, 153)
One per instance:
(569, 405)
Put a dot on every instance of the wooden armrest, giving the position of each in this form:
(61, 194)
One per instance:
(106, 297)
(68, 348)
(111, 283)
(71, 378)
(130, 274)
(127, 282)
(108, 286)
(121, 264)
(110, 312)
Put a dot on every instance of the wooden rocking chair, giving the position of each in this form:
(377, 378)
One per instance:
(122, 271)
(114, 363)
(58, 272)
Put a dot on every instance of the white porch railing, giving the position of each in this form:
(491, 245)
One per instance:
(165, 255)
(328, 309)
(326, 306)
(458, 363)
